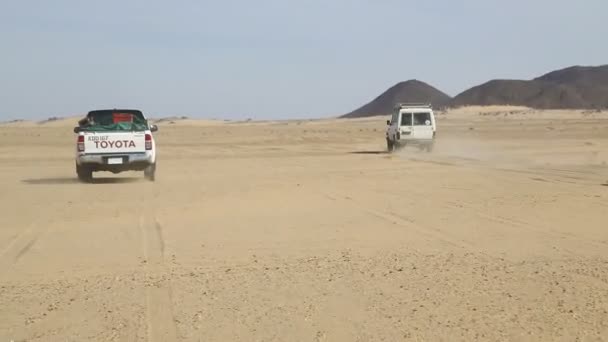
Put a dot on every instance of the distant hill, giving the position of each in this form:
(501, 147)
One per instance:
(533, 94)
(579, 75)
(571, 88)
(577, 87)
(409, 91)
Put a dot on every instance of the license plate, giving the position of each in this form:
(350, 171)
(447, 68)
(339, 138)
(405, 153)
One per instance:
(114, 161)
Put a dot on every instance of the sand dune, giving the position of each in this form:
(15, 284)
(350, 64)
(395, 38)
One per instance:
(308, 231)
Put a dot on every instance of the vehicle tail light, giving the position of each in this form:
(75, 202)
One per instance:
(81, 143)
(148, 141)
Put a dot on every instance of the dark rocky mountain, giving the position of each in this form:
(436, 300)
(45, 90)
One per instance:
(409, 91)
(571, 88)
(535, 94)
(577, 87)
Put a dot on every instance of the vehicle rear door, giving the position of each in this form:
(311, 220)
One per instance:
(422, 127)
(406, 125)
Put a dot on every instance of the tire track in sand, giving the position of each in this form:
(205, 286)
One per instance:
(423, 230)
(21, 244)
(159, 314)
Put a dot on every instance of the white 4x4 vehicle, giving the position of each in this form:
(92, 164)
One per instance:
(115, 140)
(411, 124)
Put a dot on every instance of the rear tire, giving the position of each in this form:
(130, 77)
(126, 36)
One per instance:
(150, 172)
(84, 173)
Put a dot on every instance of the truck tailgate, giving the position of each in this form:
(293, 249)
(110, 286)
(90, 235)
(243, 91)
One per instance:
(114, 142)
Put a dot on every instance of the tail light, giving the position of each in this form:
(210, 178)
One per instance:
(81, 143)
(148, 141)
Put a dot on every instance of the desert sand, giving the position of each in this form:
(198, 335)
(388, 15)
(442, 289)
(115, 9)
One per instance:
(308, 231)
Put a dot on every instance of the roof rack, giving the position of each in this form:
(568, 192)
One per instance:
(414, 105)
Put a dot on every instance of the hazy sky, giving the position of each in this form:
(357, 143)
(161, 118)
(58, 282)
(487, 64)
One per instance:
(275, 58)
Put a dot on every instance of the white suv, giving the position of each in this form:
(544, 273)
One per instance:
(411, 124)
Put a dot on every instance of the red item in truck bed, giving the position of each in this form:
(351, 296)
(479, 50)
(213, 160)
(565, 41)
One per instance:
(122, 117)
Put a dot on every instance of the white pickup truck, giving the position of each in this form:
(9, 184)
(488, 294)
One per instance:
(411, 124)
(115, 140)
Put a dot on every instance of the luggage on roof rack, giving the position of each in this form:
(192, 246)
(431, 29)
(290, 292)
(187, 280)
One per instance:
(414, 105)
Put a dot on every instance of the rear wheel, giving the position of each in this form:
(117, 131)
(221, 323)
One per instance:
(84, 173)
(150, 172)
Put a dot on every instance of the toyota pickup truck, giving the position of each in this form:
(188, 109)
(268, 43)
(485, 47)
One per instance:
(115, 140)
